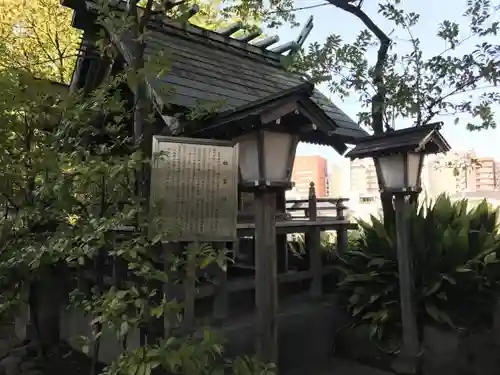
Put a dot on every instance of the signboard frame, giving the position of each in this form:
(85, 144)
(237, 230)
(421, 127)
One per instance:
(229, 232)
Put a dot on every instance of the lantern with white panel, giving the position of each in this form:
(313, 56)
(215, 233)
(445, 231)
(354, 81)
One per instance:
(400, 172)
(399, 155)
(266, 158)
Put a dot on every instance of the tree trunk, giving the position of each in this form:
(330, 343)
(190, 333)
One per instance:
(387, 209)
(378, 100)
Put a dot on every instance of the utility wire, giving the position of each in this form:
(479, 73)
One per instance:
(302, 8)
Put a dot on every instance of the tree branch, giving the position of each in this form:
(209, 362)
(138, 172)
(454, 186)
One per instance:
(10, 201)
(146, 16)
(378, 100)
(457, 90)
(418, 68)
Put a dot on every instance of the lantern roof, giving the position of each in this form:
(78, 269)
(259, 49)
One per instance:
(425, 139)
(291, 111)
(230, 76)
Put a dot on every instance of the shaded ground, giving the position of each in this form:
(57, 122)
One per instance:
(68, 361)
(341, 367)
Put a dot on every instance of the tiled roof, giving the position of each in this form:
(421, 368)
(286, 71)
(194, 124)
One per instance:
(230, 77)
(426, 136)
(207, 67)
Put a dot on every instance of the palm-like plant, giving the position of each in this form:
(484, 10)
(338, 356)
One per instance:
(455, 266)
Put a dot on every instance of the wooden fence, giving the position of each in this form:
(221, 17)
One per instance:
(207, 294)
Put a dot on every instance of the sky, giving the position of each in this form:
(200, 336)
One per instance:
(328, 19)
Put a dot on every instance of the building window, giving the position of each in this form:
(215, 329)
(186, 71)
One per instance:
(303, 172)
(366, 200)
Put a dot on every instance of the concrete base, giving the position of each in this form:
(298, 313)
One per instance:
(455, 353)
(305, 335)
(405, 366)
(340, 367)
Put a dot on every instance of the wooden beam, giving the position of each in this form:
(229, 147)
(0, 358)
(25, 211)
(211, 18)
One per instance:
(266, 283)
(188, 322)
(313, 244)
(277, 112)
(342, 239)
(407, 361)
(221, 300)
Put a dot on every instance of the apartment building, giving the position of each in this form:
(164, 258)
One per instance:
(497, 174)
(453, 172)
(485, 174)
(307, 169)
(338, 180)
(363, 176)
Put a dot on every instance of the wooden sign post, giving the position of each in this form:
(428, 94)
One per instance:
(194, 185)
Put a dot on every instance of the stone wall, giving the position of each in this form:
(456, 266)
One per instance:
(17, 356)
(460, 353)
(444, 351)
(305, 334)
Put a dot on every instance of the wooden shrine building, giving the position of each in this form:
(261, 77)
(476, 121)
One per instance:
(237, 81)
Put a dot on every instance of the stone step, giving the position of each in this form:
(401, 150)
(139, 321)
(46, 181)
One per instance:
(341, 367)
(345, 367)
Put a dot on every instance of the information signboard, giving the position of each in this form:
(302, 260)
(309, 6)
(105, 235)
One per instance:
(194, 184)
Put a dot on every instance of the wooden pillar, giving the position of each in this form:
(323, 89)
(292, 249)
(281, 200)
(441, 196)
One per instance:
(155, 328)
(170, 288)
(342, 241)
(281, 239)
(221, 299)
(407, 361)
(45, 301)
(119, 278)
(266, 283)
(188, 322)
(313, 244)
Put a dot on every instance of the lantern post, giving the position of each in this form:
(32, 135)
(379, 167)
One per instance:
(398, 158)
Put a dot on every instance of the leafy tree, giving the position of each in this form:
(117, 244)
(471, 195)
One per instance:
(37, 36)
(408, 84)
(74, 183)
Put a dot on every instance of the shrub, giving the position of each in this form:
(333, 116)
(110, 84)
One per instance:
(455, 267)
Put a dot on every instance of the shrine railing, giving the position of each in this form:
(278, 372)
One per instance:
(218, 294)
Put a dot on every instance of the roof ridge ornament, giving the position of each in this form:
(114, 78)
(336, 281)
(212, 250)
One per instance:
(305, 32)
(266, 42)
(250, 36)
(230, 30)
(297, 44)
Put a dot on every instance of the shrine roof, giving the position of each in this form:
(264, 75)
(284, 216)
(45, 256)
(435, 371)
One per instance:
(223, 73)
(425, 138)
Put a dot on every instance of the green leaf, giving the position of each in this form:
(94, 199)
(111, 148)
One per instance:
(433, 312)
(124, 328)
(434, 288)
(356, 310)
(377, 262)
(133, 369)
(490, 258)
(442, 296)
(448, 278)
(86, 349)
(354, 298)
